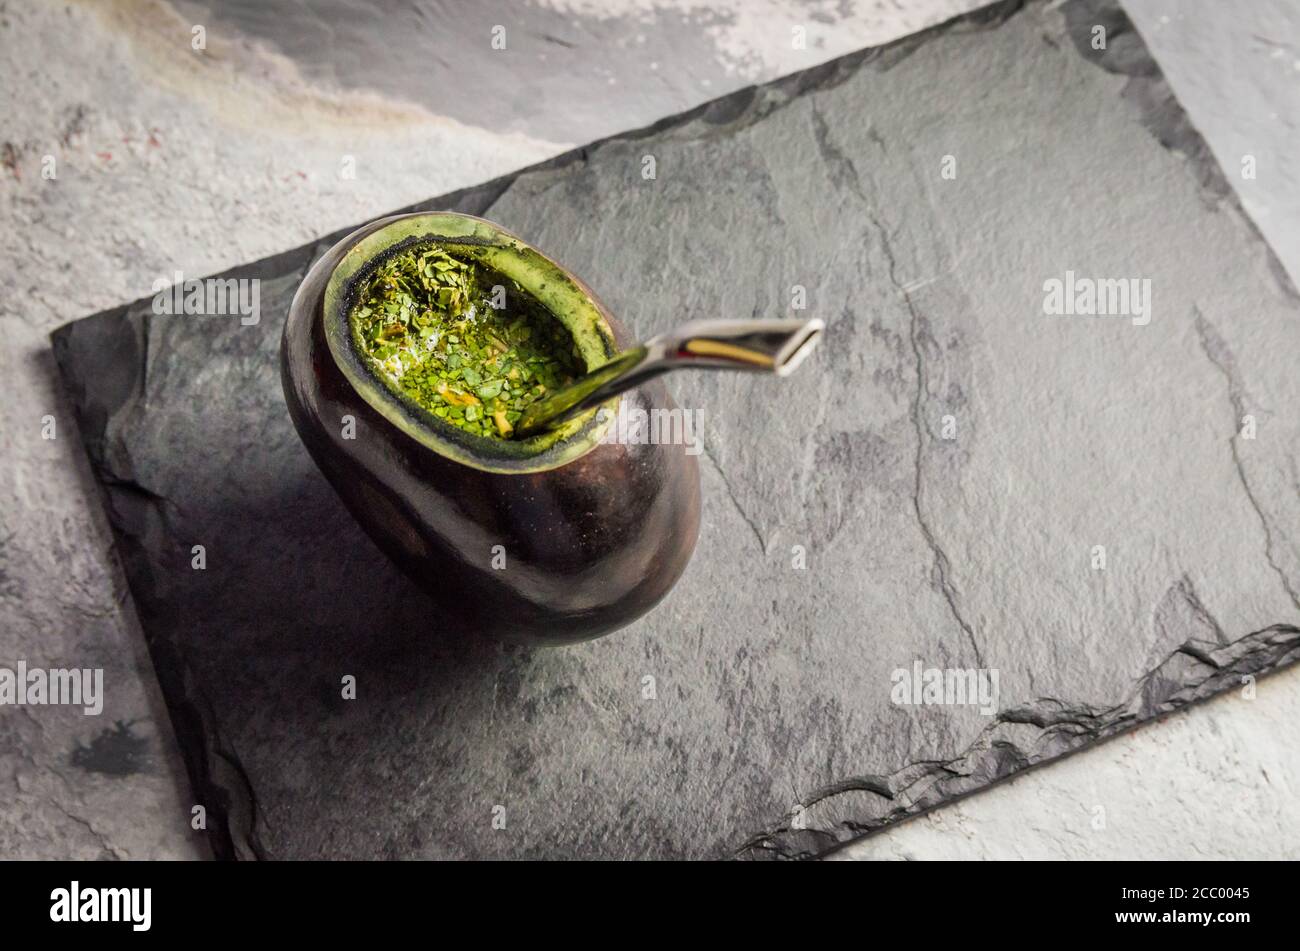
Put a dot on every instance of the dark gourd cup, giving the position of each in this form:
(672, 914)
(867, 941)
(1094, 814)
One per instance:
(560, 537)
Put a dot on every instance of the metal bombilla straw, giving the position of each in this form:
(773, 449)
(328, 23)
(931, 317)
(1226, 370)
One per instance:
(755, 346)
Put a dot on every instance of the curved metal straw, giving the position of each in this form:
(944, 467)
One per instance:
(761, 346)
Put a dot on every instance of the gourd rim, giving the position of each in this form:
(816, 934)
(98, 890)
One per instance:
(472, 238)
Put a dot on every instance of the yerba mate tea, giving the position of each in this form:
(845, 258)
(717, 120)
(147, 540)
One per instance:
(460, 339)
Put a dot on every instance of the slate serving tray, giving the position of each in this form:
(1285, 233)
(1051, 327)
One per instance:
(1103, 510)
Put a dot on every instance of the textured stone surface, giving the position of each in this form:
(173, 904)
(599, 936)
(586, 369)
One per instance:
(773, 707)
(167, 157)
(1223, 783)
(77, 786)
(566, 70)
(1243, 74)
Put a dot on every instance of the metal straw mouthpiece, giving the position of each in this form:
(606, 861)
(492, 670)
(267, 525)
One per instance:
(756, 346)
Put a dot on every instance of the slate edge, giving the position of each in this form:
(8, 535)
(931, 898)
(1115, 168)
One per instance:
(1195, 671)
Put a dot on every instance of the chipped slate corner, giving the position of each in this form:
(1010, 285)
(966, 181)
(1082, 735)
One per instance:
(1021, 739)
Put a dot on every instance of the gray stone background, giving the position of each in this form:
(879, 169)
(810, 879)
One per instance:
(170, 158)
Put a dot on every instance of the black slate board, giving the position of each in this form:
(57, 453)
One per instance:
(770, 731)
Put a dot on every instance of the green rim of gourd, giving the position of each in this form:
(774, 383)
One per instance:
(470, 238)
